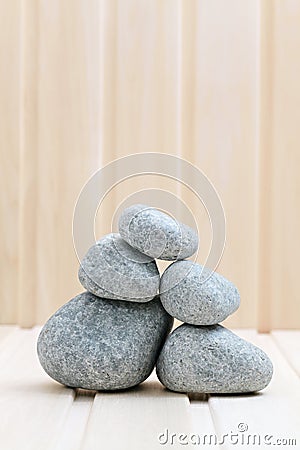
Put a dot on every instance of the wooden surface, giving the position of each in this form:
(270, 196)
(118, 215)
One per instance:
(265, 167)
(85, 82)
(38, 413)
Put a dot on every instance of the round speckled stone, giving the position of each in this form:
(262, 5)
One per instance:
(113, 269)
(156, 234)
(212, 360)
(195, 295)
(102, 344)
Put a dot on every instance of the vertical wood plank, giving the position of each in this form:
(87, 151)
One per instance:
(224, 134)
(69, 139)
(28, 163)
(140, 90)
(286, 157)
(83, 83)
(264, 271)
(9, 157)
(146, 77)
(136, 418)
(202, 419)
(108, 36)
(72, 435)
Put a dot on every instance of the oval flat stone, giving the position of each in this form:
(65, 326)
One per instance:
(113, 269)
(156, 234)
(102, 344)
(195, 295)
(212, 360)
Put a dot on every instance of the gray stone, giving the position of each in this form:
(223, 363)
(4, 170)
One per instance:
(102, 344)
(113, 269)
(194, 294)
(212, 360)
(156, 234)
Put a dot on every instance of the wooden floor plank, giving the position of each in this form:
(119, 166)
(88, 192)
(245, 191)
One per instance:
(6, 330)
(38, 413)
(139, 418)
(203, 426)
(273, 412)
(33, 408)
(73, 432)
(289, 343)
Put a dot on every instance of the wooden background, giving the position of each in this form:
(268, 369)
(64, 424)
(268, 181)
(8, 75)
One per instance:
(85, 82)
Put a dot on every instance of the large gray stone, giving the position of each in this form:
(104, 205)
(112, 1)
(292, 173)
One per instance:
(156, 234)
(195, 295)
(113, 269)
(212, 360)
(102, 344)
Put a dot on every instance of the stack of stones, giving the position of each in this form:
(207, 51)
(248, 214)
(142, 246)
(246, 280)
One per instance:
(111, 336)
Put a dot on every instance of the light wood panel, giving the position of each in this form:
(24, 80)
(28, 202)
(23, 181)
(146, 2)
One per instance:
(265, 166)
(33, 408)
(286, 152)
(202, 420)
(9, 157)
(87, 82)
(289, 343)
(140, 416)
(5, 330)
(72, 435)
(28, 160)
(272, 412)
(68, 139)
(37, 412)
(224, 131)
(194, 109)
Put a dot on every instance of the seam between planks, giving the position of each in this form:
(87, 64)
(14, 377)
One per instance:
(74, 427)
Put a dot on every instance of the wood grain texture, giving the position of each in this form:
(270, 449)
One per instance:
(265, 167)
(84, 83)
(264, 412)
(30, 403)
(68, 136)
(9, 157)
(28, 160)
(140, 415)
(289, 343)
(37, 412)
(286, 153)
(223, 142)
(74, 429)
